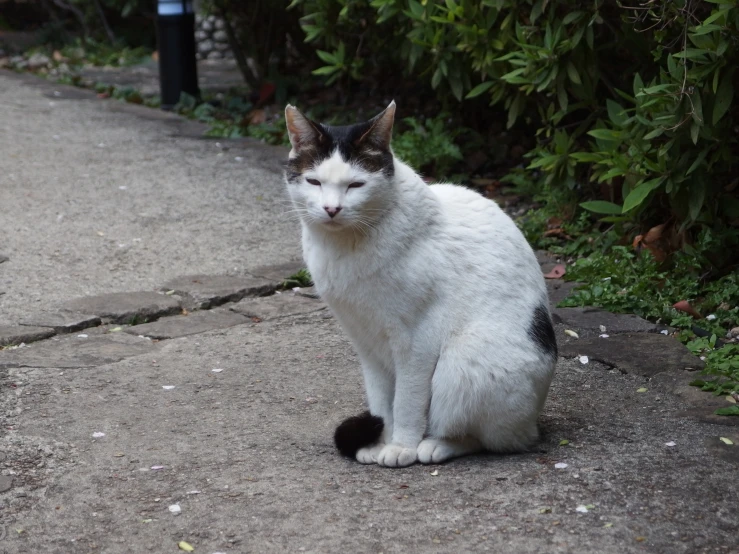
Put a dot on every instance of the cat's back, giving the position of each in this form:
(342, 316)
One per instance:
(475, 217)
(482, 240)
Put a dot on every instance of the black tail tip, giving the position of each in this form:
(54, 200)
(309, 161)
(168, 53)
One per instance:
(357, 432)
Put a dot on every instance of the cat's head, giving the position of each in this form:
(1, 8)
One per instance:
(340, 177)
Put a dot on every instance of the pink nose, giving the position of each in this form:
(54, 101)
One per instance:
(332, 211)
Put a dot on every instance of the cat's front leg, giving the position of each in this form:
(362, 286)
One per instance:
(410, 408)
(379, 385)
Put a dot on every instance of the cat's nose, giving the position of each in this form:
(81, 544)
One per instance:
(332, 211)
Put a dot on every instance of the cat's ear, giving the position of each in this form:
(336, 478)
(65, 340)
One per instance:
(302, 131)
(381, 129)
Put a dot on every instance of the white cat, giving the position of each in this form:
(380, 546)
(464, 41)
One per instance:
(438, 290)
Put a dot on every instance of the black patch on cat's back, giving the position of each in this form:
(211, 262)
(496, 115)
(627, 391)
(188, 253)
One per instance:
(541, 331)
(357, 432)
(346, 140)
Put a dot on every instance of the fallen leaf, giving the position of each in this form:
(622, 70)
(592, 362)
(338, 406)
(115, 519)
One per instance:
(119, 454)
(402, 486)
(582, 509)
(571, 333)
(435, 473)
(641, 539)
(557, 272)
(684, 306)
(157, 467)
(169, 293)
(671, 443)
(642, 389)
(217, 370)
(115, 330)
(98, 434)
(558, 232)
(82, 336)
(185, 546)
(545, 510)
(560, 465)
(167, 387)
(726, 441)
(731, 399)
(175, 509)
(584, 359)
(564, 442)
(608, 525)
(603, 336)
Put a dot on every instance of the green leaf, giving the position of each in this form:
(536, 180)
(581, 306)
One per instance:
(697, 195)
(637, 196)
(616, 113)
(479, 89)
(602, 207)
(695, 130)
(573, 74)
(327, 57)
(416, 9)
(698, 160)
(456, 86)
(724, 96)
(731, 410)
(325, 70)
(605, 134)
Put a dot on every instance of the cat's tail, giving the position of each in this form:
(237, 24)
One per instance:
(357, 432)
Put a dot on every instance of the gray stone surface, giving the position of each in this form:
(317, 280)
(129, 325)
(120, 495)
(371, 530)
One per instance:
(205, 291)
(645, 354)
(277, 305)
(277, 272)
(75, 352)
(309, 292)
(256, 441)
(3, 258)
(592, 318)
(6, 483)
(183, 325)
(63, 321)
(559, 290)
(17, 334)
(125, 307)
(187, 205)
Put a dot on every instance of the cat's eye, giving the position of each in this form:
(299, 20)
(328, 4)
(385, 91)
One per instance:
(314, 182)
(356, 185)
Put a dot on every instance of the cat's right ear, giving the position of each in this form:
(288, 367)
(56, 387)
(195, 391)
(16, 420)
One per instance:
(302, 131)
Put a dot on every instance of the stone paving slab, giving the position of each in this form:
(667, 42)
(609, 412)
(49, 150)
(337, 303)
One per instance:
(277, 305)
(645, 354)
(183, 325)
(63, 321)
(592, 318)
(277, 272)
(75, 352)
(17, 334)
(123, 307)
(702, 404)
(559, 290)
(206, 291)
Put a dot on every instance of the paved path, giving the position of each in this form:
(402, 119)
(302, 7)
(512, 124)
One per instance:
(111, 425)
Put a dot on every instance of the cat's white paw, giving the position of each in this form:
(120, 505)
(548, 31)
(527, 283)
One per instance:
(395, 455)
(368, 455)
(436, 451)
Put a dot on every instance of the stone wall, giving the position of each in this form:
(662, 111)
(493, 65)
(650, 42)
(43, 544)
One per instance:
(211, 38)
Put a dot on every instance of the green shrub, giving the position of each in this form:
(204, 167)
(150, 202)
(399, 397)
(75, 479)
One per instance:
(634, 107)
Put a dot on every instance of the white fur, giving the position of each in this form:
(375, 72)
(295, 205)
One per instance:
(436, 287)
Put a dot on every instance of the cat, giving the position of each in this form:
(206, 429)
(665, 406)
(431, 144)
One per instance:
(442, 297)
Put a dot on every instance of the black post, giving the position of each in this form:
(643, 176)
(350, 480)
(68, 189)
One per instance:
(178, 70)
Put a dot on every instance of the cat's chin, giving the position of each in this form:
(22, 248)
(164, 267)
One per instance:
(333, 225)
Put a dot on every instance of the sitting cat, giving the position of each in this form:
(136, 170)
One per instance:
(438, 290)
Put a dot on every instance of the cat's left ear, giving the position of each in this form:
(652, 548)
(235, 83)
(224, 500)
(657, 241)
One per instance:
(302, 131)
(380, 131)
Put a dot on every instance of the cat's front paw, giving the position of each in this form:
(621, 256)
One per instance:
(368, 455)
(396, 455)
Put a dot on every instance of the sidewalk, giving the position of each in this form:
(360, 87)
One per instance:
(109, 425)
